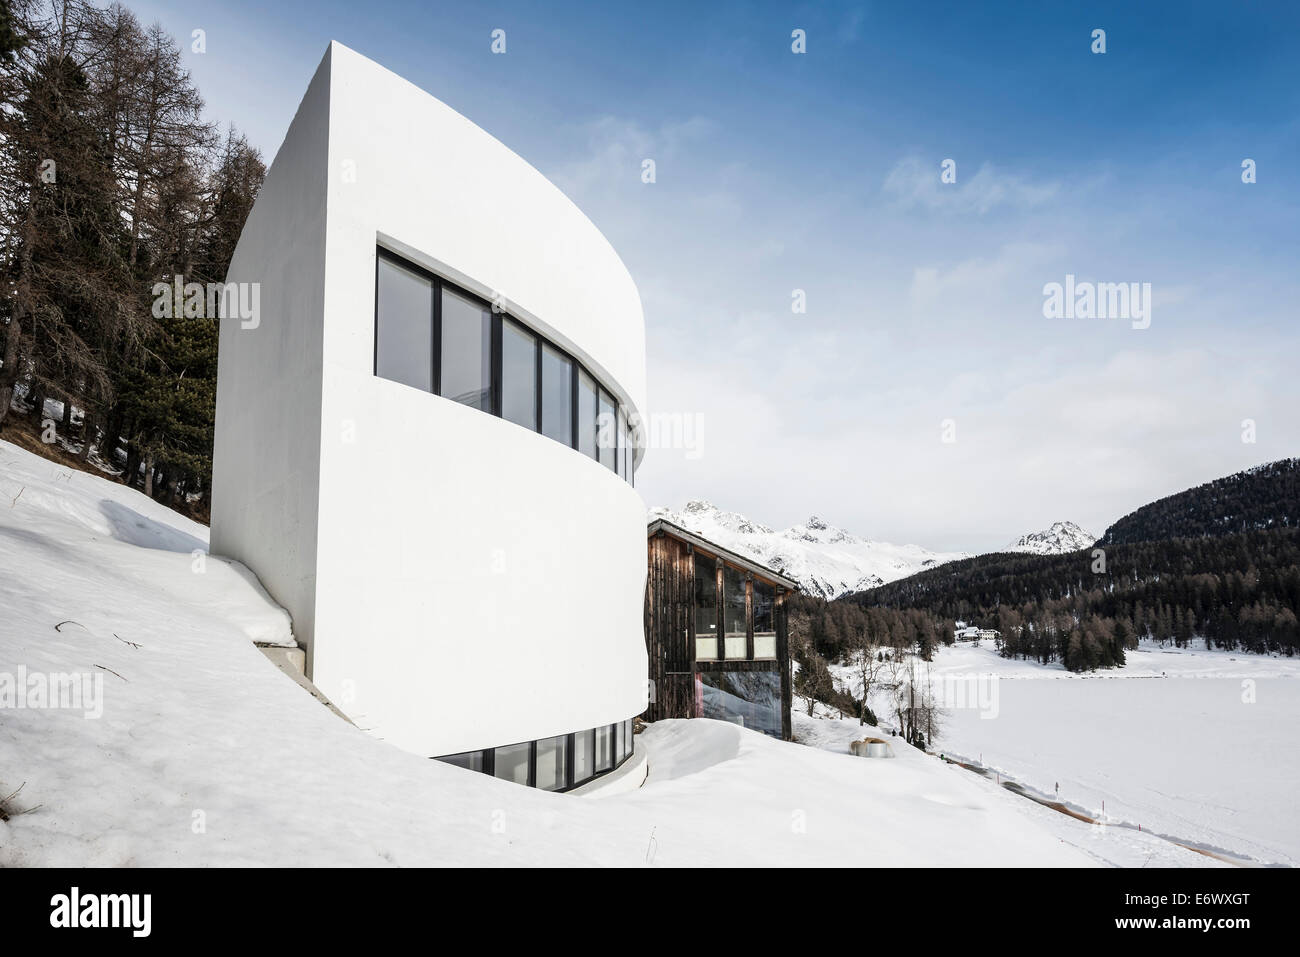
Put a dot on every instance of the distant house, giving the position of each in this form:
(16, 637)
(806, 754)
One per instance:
(716, 638)
(965, 632)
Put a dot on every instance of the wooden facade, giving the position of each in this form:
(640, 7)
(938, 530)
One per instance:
(678, 675)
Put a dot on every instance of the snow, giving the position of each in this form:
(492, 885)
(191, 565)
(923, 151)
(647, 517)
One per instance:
(825, 560)
(1123, 847)
(1191, 744)
(1061, 538)
(206, 754)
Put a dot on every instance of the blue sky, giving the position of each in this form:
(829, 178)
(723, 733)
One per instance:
(820, 172)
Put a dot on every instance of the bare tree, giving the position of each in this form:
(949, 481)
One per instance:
(867, 662)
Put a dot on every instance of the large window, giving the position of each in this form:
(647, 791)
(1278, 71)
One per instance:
(518, 375)
(604, 748)
(554, 764)
(586, 414)
(733, 612)
(512, 762)
(584, 756)
(607, 431)
(764, 620)
(404, 326)
(751, 699)
(466, 370)
(622, 443)
(557, 396)
(552, 768)
(438, 338)
(469, 760)
(706, 608)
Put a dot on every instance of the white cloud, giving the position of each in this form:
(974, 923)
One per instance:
(915, 182)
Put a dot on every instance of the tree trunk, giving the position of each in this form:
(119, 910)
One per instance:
(37, 395)
(148, 475)
(112, 434)
(21, 308)
(132, 465)
(89, 431)
(9, 368)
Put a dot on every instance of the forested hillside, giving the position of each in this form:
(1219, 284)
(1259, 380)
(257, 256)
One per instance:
(1238, 591)
(112, 182)
(1259, 498)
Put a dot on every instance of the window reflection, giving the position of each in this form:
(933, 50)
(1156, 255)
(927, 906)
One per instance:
(466, 374)
(404, 330)
(518, 375)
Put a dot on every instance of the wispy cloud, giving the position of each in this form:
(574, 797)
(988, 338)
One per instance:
(916, 182)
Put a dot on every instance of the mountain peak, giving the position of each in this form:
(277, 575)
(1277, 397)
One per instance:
(1058, 539)
(825, 560)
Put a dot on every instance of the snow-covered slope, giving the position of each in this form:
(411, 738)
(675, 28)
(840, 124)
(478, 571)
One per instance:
(204, 753)
(825, 560)
(1062, 537)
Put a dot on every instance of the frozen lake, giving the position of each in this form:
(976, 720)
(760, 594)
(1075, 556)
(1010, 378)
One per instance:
(1195, 745)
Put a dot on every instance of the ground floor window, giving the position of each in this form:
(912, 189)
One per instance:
(604, 748)
(554, 764)
(512, 762)
(751, 699)
(470, 760)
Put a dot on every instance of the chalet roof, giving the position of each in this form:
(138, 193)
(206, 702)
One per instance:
(757, 570)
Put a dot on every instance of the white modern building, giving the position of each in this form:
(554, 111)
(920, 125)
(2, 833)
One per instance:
(410, 437)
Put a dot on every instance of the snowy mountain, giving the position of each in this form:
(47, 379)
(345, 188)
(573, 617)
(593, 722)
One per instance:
(1062, 537)
(825, 560)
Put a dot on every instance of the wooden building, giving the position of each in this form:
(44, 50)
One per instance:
(715, 625)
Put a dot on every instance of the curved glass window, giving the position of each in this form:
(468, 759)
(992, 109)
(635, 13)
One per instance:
(587, 392)
(607, 431)
(436, 337)
(518, 375)
(552, 763)
(561, 763)
(466, 351)
(404, 337)
(557, 395)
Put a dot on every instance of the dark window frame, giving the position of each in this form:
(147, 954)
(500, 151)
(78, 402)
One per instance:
(570, 753)
(624, 454)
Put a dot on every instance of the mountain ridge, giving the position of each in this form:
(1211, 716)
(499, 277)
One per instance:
(826, 560)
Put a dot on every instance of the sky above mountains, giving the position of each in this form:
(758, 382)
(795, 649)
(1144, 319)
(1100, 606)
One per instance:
(922, 396)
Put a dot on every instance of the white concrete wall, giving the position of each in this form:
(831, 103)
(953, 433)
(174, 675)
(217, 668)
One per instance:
(476, 584)
(266, 456)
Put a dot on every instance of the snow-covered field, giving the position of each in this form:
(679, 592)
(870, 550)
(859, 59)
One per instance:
(1195, 745)
(204, 753)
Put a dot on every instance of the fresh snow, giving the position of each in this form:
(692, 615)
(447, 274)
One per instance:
(207, 754)
(1191, 744)
(825, 560)
(1061, 538)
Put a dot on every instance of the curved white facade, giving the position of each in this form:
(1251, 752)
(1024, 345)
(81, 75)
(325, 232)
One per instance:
(459, 581)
